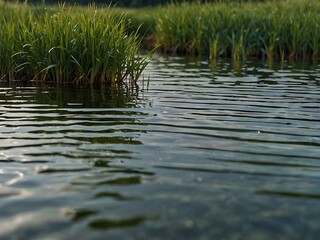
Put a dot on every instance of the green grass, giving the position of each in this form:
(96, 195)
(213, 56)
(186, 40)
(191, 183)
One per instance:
(100, 46)
(271, 29)
(66, 44)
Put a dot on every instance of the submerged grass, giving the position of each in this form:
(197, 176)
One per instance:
(68, 45)
(272, 29)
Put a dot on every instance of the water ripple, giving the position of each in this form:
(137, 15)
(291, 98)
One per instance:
(198, 152)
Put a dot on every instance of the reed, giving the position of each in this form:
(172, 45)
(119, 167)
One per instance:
(271, 29)
(98, 46)
(68, 45)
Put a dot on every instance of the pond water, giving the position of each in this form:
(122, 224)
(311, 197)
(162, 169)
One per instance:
(202, 151)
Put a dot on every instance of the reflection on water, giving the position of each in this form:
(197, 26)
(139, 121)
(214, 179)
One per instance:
(216, 151)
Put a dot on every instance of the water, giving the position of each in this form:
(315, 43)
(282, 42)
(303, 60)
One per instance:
(200, 152)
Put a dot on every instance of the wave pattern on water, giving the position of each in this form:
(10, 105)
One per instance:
(202, 152)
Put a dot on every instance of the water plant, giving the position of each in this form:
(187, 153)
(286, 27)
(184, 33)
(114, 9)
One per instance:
(97, 46)
(269, 29)
(68, 45)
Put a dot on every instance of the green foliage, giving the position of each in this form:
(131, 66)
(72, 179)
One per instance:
(126, 3)
(68, 44)
(272, 29)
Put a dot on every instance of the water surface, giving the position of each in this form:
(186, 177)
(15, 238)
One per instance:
(202, 151)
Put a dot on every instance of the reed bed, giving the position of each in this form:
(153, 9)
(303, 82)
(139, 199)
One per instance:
(99, 46)
(68, 45)
(272, 29)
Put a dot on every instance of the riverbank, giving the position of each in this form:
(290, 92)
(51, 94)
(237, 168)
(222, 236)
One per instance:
(266, 30)
(100, 46)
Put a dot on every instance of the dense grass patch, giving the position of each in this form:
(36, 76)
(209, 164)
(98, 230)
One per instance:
(68, 45)
(272, 29)
(86, 45)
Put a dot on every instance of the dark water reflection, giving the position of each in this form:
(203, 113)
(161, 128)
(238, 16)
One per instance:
(216, 151)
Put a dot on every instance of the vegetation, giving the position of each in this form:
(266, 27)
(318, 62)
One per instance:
(269, 29)
(101, 45)
(126, 3)
(67, 44)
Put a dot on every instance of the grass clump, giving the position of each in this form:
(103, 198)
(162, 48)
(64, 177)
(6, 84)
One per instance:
(68, 45)
(271, 29)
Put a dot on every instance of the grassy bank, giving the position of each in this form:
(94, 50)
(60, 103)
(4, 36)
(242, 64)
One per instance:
(86, 45)
(67, 45)
(287, 29)
(270, 29)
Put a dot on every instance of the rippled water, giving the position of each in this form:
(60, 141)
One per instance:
(199, 152)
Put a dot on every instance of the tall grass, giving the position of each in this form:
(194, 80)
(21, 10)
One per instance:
(272, 29)
(68, 44)
(87, 45)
